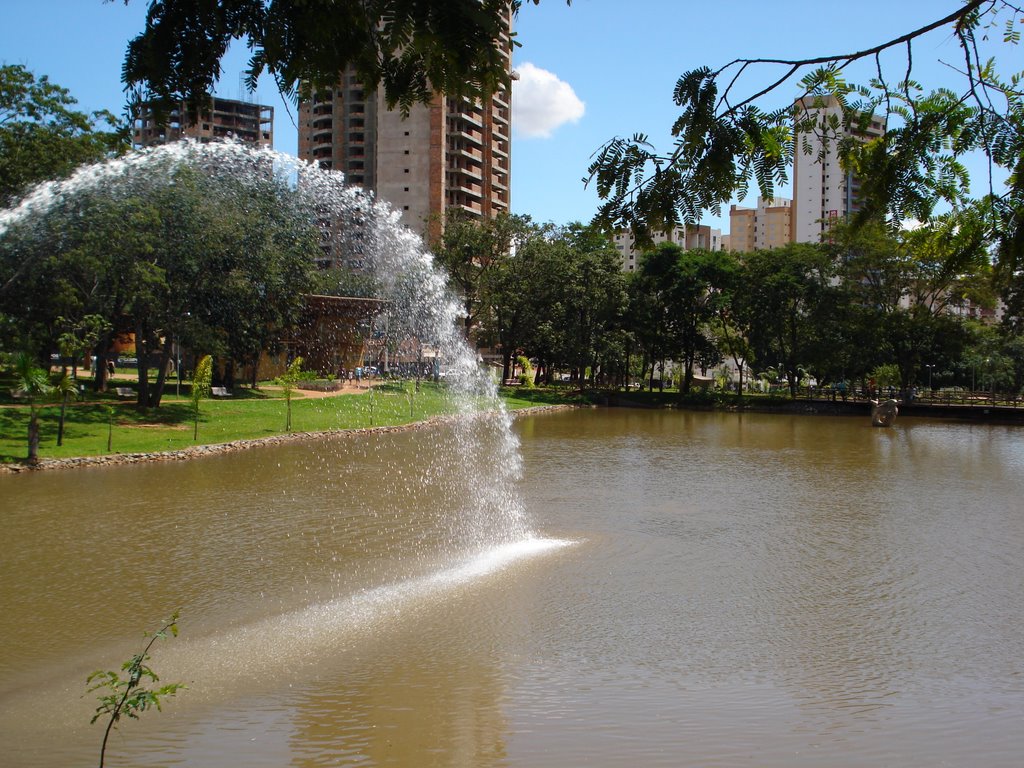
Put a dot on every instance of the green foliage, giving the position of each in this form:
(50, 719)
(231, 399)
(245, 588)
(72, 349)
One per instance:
(526, 372)
(136, 258)
(201, 378)
(886, 376)
(123, 694)
(288, 382)
(42, 137)
(724, 143)
(30, 383)
(80, 336)
(408, 49)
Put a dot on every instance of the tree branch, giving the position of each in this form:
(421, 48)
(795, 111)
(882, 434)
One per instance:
(796, 64)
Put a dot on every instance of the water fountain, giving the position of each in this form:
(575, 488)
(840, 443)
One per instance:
(391, 254)
(471, 526)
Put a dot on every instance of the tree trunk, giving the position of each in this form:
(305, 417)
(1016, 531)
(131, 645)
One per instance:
(506, 366)
(99, 382)
(60, 423)
(142, 365)
(33, 436)
(161, 377)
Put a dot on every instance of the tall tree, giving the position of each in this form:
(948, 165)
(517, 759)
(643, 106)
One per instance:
(409, 49)
(784, 292)
(470, 250)
(593, 300)
(42, 136)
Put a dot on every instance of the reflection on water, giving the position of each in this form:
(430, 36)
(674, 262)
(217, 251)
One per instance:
(743, 589)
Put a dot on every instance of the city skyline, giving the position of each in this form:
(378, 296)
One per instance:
(588, 72)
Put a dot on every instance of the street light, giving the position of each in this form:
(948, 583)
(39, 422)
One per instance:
(177, 355)
(929, 366)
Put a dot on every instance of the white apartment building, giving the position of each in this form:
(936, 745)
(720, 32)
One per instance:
(822, 191)
(689, 238)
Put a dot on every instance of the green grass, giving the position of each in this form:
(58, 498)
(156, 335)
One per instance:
(516, 397)
(247, 414)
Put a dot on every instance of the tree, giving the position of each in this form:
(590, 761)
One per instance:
(409, 49)
(31, 383)
(593, 301)
(784, 293)
(66, 388)
(517, 294)
(469, 250)
(138, 254)
(287, 382)
(201, 378)
(42, 137)
(905, 285)
(724, 140)
(650, 307)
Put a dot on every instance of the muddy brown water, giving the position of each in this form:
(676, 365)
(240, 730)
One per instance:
(698, 589)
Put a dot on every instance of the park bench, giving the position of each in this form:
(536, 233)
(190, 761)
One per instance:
(219, 392)
(125, 393)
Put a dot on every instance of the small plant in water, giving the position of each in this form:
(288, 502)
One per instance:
(124, 695)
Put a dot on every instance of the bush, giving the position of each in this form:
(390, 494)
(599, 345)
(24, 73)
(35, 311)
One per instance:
(526, 378)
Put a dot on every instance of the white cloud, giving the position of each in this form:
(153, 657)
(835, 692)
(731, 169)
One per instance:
(541, 102)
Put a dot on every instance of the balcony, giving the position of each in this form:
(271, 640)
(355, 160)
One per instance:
(462, 187)
(471, 154)
(466, 117)
(476, 173)
(475, 137)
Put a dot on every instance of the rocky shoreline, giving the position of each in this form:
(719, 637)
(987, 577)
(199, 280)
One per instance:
(216, 449)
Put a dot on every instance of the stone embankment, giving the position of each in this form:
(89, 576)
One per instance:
(199, 451)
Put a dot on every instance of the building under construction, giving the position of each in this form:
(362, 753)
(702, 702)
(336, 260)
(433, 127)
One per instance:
(221, 119)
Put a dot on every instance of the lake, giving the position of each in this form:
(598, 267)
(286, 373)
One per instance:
(681, 589)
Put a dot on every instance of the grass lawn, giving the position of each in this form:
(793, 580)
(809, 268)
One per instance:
(247, 414)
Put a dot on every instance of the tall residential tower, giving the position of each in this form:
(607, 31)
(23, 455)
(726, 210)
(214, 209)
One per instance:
(450, 153)
(822, 190)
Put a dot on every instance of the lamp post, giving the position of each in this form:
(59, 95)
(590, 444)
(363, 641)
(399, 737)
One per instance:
(929, 366)
(177, 356)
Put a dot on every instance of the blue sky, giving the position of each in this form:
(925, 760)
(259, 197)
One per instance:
(591, 71)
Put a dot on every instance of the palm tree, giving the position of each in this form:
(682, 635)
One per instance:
(66, 388)
(30, 383)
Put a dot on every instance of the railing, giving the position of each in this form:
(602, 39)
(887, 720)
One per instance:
(959, 398)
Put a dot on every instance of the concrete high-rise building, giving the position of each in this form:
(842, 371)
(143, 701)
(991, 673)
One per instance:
(450, 153)
(767, 226)
(822, 190)
(223, 119)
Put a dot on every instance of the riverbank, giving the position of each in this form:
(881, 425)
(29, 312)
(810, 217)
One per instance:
(214, 449)
(1010, 412)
